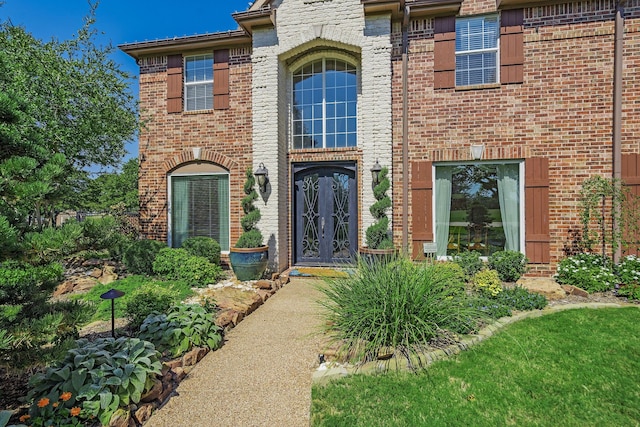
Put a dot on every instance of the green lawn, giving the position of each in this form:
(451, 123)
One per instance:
(571, 368)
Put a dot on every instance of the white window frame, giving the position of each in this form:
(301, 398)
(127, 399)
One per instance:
(521, 189)
(188, 84)
(170, 208)
(495, 50)
(324, 57)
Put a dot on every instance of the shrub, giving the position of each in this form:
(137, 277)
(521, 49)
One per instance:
(168, 261)
(519, 298)
(251, 236)
(487, 282)
(146, 300)
(119, 245)
(395, 305)
(205, 247)
(489, 306)
(510, 265)
(178, 264)
(9, 243)
(100, 232)
(470, 262)
(22, 283)
(587, 271)
(184, 327)
(449, 274)
(53, 244)
(630, 291)
(101, 376)
(138, 257)
(377, 234)
(628, 271)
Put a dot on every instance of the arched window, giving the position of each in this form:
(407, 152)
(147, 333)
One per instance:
(325, 101)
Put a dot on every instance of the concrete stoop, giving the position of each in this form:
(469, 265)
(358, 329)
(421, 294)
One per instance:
(329, 371)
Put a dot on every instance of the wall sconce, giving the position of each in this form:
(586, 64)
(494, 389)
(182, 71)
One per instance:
(477, 151)
(262, 177)
(375, 173)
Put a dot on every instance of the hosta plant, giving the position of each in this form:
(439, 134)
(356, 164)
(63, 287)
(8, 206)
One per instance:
(587, 271)
(184, 327)
(101, 376)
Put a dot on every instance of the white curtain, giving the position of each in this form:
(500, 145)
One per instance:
(443, 208)
(508, 188)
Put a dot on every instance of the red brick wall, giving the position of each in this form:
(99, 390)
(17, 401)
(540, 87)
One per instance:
(562, 111)
(166, 140)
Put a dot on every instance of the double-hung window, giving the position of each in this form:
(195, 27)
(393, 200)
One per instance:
(324, 113)
(198, 82)
(477, 50)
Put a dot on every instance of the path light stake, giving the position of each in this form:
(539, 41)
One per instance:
(112, 294)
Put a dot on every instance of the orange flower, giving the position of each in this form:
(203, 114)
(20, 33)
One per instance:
(24, 418)
(43, 402)
(65, 396)
(75, 411)
(55, 404)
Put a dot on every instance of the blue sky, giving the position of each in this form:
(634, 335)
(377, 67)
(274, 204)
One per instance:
(123, 21)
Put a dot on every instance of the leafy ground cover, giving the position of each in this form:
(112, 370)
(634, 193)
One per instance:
(571, 368)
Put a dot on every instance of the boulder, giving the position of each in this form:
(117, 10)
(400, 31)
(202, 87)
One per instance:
(108, 275)
(264, 284)
(63, 288)
(143, 413)
(194, 356)
(574, 290)
(154, 393)
(542, 285)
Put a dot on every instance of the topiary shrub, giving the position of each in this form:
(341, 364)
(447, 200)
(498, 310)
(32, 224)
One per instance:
(148, 299)
(251, 236)
(586, 271)
(203, 246)
(377, 234)
(487, 282)
(182, 328)
(510, 265)
(138, 257)
(101, 376)
(470, 262)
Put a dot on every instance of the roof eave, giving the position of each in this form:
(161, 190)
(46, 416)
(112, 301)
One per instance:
(250, 19)
(180, 44)
(433, 7)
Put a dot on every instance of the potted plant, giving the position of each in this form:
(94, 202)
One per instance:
(249, 257)
(379, 243)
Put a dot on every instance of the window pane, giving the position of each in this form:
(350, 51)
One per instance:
(476, 50)
(200, 207)
(332, 91)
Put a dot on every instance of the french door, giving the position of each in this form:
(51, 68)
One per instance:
(325, 213)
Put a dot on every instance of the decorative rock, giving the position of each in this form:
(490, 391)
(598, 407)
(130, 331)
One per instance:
(542, 285)
(120, 418)
(237, 318)
(264, 295)
(264, 284)
(83, 284)
(97, 272)
(172, 364)
(190, 358)
(225, 318)
(154, 393)
(143, 413)
(108, 275)
(166, 392)
(180, 374)
(574, 290)
(63, 288)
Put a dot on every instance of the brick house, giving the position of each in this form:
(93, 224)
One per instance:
(489, 117)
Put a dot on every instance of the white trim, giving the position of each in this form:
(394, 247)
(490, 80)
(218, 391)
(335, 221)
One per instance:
(198, 82)
(495, 50)
(169, 198)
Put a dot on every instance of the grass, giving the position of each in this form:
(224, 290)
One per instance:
(571, 368)
(126, 285)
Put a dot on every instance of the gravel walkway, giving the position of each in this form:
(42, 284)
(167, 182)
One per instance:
(262, 375)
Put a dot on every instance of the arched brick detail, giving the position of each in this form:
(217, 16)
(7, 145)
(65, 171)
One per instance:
(186, 156)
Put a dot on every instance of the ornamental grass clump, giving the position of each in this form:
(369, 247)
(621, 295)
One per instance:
(395, 306)
(586, 271)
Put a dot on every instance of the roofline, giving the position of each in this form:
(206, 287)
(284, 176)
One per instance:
(178, 44)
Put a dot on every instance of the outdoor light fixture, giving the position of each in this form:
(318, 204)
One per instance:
(477, 151)
(262, 176)
(375, 172)
(112, 294)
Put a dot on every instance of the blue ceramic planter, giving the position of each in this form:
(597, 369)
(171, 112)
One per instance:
(249, 263)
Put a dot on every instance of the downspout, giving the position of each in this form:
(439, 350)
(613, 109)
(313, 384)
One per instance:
(405, 130)
(617, 113)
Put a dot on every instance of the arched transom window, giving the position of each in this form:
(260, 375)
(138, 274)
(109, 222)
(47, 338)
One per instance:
(325, 101)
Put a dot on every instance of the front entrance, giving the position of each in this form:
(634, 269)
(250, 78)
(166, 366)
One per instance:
(325, 213)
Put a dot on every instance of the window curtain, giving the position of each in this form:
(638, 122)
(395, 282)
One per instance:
(223, 212)
(508, 189)
(443, 208)
(179, 210)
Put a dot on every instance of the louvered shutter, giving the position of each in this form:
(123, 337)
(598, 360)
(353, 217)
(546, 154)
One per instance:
(631, 179)
(421, 205)
(221, 79)
(444, 52)
(174, 84)
(511, 46)
(536, 183)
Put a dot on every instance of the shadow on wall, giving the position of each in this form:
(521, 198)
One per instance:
(273, 265)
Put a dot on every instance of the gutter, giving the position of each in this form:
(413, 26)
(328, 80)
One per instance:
(405, 129)
(617, 113)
